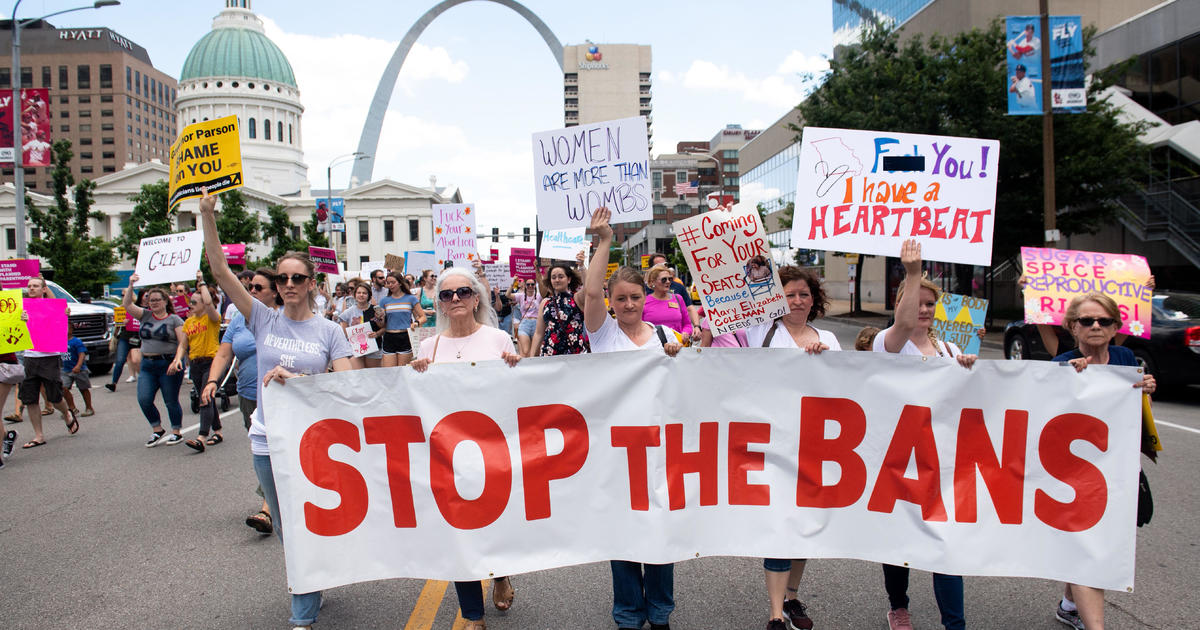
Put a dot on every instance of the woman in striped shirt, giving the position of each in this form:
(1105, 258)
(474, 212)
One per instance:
(402, 311)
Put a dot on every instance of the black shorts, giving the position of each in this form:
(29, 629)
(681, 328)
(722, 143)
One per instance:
(397, 343)
(41, 372)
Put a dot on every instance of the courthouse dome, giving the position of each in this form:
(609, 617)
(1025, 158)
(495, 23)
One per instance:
(237, 52)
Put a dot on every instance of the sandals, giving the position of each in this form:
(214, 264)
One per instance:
(33, 443)
(260, 522)
(195, 443)
(502, 594)
(73, 423)
(13, 417)
(215, 439)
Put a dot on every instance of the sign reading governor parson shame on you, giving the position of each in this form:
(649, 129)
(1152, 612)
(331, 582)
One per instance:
(579, 169)
(207, 155)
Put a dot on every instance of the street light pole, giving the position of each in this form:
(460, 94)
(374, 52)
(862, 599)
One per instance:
(357, 155)
(720, 182)
(18, 131)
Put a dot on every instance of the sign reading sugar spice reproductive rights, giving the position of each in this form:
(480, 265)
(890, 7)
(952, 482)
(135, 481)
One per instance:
(169, 258)
(1056, 276)
(207, 155)
(867, 191)
(730, 257)
(454, 233)
(579, 169)
(958, 319)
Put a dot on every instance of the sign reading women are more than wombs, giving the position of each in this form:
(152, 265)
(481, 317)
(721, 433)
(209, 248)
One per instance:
(207, 155)
(579, 169)
(867, 191)
(169, 258)
(1056, 276)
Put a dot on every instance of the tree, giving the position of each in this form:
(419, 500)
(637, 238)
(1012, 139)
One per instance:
(234, 224)
(279, 230)
(150, 217)
(80, 261)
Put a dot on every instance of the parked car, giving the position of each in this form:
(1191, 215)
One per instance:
(1171, 354)
(93, 325)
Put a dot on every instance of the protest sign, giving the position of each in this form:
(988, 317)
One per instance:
(715, 452)
(522, 263)
(207, 155)
(392, 262)
(361, 341)
(958, 318)
(498, 275)
(119, 315)
(1055, 276)
(579, 169)
(331, 214)
(169, 258)
(181, 305)
(14, 332)
(324, 259)
(35, 131)
(612, 268)
(15, 274)
(868, 191)
(418, 262)
(494, 254)
(645, 262)
(730, 257)
(235, 253)
(47, 323)
(454, 233)
(564, 244)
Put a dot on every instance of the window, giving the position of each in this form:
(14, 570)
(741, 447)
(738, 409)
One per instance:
(105, 76)
(85, 169)
(364, 231)
(682, 209)
(106, 98)
(85, 155)
(107, 113)
(64, 114)
(656, 179)
(414, 230)
(85, 141)
(279, 136)
(27, 76)
(295, 232)
(660, 210)
(389, 230)
(658, 195)
(680, 177)
(83, 77)
(109, 155)
(290, 135)
(729, 168)
(63, 100)
(109, 168)
(62, 77)
(731, 182)
(5, 78)
(729, 154)
(361, 260)
(106, 141)
(266, 129)
(84, 98)
(46, 76)
(85, 128)
(137, 82)
(128, 79)
(10, 237)
(106, 127)
(85, 113)
(65, 128)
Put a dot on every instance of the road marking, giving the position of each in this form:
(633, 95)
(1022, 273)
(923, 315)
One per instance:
(1175, 426)
(197, 425)
(459, 622)
(425, 610)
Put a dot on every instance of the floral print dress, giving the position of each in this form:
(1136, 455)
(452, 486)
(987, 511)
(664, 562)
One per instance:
(565, 333)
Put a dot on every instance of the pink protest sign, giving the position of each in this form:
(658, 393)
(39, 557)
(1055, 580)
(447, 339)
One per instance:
(15, 274)
(325, 259)
(47, 324)
(1055, 276)
(523, 266)
(235, 253)
(182, 308)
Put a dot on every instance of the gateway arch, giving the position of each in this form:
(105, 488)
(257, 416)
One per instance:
(368, 142)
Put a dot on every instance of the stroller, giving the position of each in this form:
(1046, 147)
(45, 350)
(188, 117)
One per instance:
(226, 389)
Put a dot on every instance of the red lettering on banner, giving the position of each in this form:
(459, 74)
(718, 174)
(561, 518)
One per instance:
(939, 230)
(815, 449)
(899, 214)
(635, 441)
(921, 226)
(1004, 477)
(538, 467)
(818, 222)
(742, 460)
(913, 437)
(395, 433)
(455, 428)
(878, 215)
(1091, 490)
(702, 462)
(327, 473)
(838, 226)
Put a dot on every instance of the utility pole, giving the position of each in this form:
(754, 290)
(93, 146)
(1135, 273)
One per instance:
(1049, 208)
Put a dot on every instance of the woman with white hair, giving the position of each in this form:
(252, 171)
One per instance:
(466, 331)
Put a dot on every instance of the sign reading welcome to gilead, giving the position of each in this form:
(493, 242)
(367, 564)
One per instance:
(579, 169)
(867, 191)
(207, 155)
(169, 258)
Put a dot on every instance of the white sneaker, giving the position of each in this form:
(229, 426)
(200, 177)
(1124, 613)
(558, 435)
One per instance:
(132, 378)
(172, 439)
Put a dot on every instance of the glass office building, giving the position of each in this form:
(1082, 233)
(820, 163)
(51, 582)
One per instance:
(851, 16)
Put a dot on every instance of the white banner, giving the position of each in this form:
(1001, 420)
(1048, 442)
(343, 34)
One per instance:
(469, 470)
(579, 169)
(564, 244)
(169, 258)
(867, 191)
(454, 233)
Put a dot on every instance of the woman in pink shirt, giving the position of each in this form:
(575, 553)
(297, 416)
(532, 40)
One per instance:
(663, 307)
(526, 304)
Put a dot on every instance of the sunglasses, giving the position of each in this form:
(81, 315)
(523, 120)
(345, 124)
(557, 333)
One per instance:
(296, 278)
(259, 287)
(447, 295)
(666, 279)
(1104, 322)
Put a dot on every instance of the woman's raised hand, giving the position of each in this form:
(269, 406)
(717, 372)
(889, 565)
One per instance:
(910, 257)
(208, 203)
(600, 224)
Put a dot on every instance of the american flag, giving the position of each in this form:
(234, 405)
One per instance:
(687, 188)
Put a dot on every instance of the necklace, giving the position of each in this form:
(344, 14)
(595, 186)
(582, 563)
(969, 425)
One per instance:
(463, 344)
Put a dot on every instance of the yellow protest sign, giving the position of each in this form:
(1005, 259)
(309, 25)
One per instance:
(208, 154)
(612, 268)
(14, 333)
(645, 262)
(119, 315)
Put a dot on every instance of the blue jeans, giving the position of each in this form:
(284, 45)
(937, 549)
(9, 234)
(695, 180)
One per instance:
(506, 323)
(470, 599)
(642, 592)
(119, 363)
(153, 378)
(304, 605)
(948, 589)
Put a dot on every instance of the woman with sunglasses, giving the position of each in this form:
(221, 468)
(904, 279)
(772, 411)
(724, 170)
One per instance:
(1093, 320)
(359, 311)
(641, 592)
(402, 311)
(203, 330)
(306, 342)
(466, 331)
(428, 297)
(560, 328)
(664, 307)
(164, 345)
(526, 311)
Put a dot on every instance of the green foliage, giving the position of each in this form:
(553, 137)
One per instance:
(149, 217)
(616, 254)
(315, 237)
(234, 223)
(279, 231)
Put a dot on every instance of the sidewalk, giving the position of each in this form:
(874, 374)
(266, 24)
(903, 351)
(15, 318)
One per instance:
(877, 315)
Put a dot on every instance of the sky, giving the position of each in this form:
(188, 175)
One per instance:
(480, 79)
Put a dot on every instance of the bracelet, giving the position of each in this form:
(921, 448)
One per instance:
(213, 383)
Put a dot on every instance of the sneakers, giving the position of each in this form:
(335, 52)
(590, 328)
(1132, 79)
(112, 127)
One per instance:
(112, 387)
(1068, 617)
(173, 439)
(776, 624)
(10, 438)
(796, 615)
(132, 378)
(899, 620)
(156, 438)
(87, 412)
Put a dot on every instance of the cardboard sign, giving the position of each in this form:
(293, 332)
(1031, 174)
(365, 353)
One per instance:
(361, 342)
(564, 244)
(1056, 276)
(958, 318)
(207, 155)
(392, 262)
(325, 259)
(182, 306)
(418, 262)
(730, 257)
(868, 191)
(169, 258)
(498, 275)
(36, 127)
(579, 169)
(522, 264)
(454, 234)
(235, 253)
(15, 274)
(47, 324)
(14, 332)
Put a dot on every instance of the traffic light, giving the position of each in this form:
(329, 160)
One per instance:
(525, 234)
(495, 235)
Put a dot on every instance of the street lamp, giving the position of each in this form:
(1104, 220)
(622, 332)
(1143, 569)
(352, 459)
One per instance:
(18, 132)
(720, 181)
(341, 159)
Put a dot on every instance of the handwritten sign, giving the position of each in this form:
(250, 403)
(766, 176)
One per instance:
(235, 253)
(392, 262)
(958, 318)
(47, 324)
(325, 259)
(14, 332)
(645, 262)
(454, 233)
(15, 274)
(498, 275)
(1056, 276)
(729, 255)
(169, 258)
(579, 169)
(868, 191)
(564, 244)
(361, 342)
(418, 262)
(208, 154)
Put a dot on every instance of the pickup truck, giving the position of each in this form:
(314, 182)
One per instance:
(93, 325)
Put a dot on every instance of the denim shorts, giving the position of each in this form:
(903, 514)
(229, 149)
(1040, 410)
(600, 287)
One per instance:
(528, 327)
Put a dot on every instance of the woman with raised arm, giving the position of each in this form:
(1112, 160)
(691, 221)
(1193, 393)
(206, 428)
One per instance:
(525, 306)
(641, 592)
(128, 348)
(466, 331)
(428, 297)
(164, 344)
(560, 324)
(312, 343)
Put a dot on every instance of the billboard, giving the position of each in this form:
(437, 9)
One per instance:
(1026, 77)
(35, 126)
(331, 214)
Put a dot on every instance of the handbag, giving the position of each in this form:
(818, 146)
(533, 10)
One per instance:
(12, 373)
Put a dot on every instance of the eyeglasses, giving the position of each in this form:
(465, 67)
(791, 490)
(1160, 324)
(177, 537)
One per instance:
(296, 278)
(1104, 322)
(666, 279)
(447, 295)
(259, 287)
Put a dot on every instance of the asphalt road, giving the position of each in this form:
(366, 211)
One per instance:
(97, 531)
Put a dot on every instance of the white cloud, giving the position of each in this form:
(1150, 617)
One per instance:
(666, 76)
(799, 63)
(755, 193)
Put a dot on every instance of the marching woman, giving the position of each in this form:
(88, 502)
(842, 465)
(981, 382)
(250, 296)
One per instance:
(526, 307)
(664, 307)
(164, 344)
(466, 331)
(128, 348)
(912, 334)
(359, 311)
(308, 343)
(402, 311)
(203, 330)
(641, 592)
(428, 297)
(560, 327)
(1093, 320)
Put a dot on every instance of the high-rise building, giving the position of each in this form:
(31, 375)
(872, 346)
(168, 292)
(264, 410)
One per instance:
(851, 17)
(606, 82)
(106, 97)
